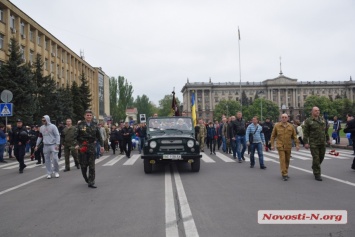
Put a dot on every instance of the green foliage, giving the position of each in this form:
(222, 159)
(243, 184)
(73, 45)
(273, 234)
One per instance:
(144, 106)
(322, 102)
(245, 100)
(77, 104)
(165, 105)
(262, 108)
(85, 93)
(16, 76)
(226, 107)
(125, 91)
(114, 99)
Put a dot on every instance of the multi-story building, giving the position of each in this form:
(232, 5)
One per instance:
(64, 65)
(289, 94)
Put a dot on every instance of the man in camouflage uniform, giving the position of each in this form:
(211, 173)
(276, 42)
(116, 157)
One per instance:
(67, 140)
(315, 135)
(85, 137)
(202, 134)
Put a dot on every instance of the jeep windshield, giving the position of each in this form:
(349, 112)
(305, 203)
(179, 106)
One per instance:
(170, 124)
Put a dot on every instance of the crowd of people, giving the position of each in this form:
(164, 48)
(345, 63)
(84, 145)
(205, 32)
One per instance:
(235, 136)
(88, 140)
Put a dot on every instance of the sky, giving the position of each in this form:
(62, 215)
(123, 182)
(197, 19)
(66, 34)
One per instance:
(157, 44)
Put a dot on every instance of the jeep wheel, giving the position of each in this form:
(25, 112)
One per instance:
(148, 167)
(195, 166)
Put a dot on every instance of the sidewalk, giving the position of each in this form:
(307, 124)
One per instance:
(343, 144)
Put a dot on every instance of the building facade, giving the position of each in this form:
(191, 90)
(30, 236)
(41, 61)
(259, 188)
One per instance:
(289, 94)
(64, 65)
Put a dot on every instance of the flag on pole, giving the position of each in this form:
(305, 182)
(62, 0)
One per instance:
(238, 33)
(174, 106)
(193, 108)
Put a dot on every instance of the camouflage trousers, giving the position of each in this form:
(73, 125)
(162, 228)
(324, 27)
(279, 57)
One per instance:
(201, 140)
(87, 159)
(318, 152)
(67, 151)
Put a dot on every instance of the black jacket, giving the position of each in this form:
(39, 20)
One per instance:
(128, 131)
(350, 128)
(17, 137)
(114, 136)
(238, 127)
(267, 128)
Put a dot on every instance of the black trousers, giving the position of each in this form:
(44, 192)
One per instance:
(19, 152)
(121, 145)
(113, 146)
(127, 146)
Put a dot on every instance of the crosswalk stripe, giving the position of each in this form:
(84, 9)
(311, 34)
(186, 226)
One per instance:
(207, 159)
(15, 165)
(131, 160)
(102, 158)
(327, 155)
(113, 161)
(224, 158)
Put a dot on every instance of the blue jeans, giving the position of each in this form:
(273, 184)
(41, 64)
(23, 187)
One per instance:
(97, 149)
(259, 148)
(233, 147)
(2, 149)
(141, 143)
(350, 142)
(224, 145)
(240, 140)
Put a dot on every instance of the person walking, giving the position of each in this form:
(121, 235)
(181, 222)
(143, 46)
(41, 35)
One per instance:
(19, 140)
(267, 130)
(299, 132)
(142, 133)
(49, 135)
(239, 136)
(2, 143)
(67, 141)
(350, 128)
(201, 134)
(127, 133)
(9, 136)
(85, 136)
(114, 138)
(315, 137)
(284, 133)
(212, 137)
(256, 142)
(336, 129)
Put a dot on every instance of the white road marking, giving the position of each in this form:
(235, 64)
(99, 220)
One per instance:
(113, 161)
(21, 185)
(186, 215)
(171, 228)
(102, 158)
(224, 158)
(131, 160)
(207, 159)
(14, 165)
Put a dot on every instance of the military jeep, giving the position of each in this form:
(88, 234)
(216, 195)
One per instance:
(170, 139)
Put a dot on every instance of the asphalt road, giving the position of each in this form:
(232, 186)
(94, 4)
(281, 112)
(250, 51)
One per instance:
(223, 199)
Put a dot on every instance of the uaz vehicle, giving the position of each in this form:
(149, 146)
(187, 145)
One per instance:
(171, 139)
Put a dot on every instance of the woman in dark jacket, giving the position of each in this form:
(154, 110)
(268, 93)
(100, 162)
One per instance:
(211, 137)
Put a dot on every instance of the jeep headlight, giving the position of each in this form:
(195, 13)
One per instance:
(190, 143)
(153, 144)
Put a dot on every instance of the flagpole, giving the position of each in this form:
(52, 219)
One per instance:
(240, 75)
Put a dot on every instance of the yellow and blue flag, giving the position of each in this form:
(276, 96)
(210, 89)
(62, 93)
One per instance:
(193, 108)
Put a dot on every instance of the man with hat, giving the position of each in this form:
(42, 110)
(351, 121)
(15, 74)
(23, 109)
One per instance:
(18, 140)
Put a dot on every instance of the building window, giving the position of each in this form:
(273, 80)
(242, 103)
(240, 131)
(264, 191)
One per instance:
(39, 40)
(31, 35)
(46, 64)
(46, 44)
(1, 41)
(63, 72)
(22, 29)
(22, 51)
(12, 22)
(216, 100)
(1, 15)
(52, 67)
(58, 72)
(31, 56)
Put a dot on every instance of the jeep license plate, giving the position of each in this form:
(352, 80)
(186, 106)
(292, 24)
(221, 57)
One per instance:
(172, 157)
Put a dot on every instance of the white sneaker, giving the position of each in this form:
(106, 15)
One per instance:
(56, 174)
(49, 176)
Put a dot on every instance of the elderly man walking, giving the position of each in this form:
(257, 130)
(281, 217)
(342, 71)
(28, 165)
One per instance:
(284, 132)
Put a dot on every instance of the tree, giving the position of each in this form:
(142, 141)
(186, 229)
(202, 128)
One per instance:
(64, 104)
(144, 106)
(125, 91)
(114, 99)
(263, 107)
(165, 105)
(245, 100)
(85, 94)
(44, 92)
(226, 107)
(16, 76)
(77, 104)
(322, 102)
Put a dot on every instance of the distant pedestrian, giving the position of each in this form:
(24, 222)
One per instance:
(2, 143)
(201, 134)
(315, 137)
(336, 129)
(127, 133)
(284, 133)
(9, 136)
(212, 137)
(239, 129)
(350, 128)
(256, 140)
(348, 136)
(19, 140)
(268, 127)
(67, 141)
(50, 137)
(299, 132)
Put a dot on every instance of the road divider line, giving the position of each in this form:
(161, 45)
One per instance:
(186, 215)
(131, 160)
(171, 229)
(21, 185)
(113, 161)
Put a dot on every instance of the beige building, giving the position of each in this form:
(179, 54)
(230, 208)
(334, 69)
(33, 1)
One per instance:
(64, 65)
(289, 94)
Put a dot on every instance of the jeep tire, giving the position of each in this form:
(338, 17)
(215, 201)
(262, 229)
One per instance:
(148, 167)
(195, 166)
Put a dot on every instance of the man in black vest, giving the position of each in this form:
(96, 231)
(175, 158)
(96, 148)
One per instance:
(127, 133)
(18, 141)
